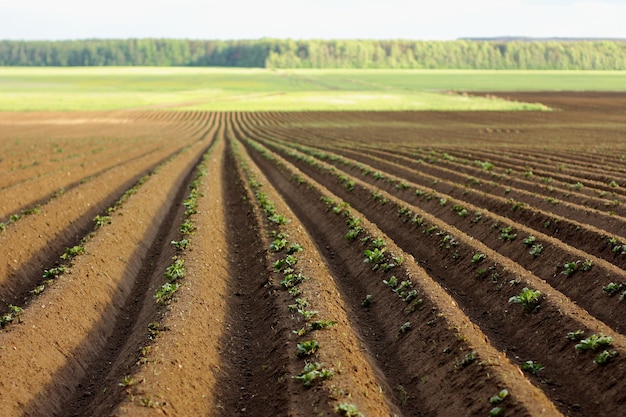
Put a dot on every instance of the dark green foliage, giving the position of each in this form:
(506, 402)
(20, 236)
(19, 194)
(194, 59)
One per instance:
(287, 53)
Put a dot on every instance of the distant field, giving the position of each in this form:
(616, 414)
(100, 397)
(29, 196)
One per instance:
(231, 89)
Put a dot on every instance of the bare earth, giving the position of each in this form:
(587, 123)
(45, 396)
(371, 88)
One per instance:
(266, 228)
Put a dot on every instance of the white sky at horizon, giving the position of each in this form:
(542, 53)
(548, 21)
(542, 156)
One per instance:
(321, 19)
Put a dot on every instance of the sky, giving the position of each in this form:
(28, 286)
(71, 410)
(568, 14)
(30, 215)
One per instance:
(310, 19)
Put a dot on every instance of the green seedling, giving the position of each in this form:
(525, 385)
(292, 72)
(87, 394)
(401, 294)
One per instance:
(322, 324)
(291, 280)
(294, 291)
(529, 241)
(613, 288)
(153, 330)
(391, 282)
(313, 372)
(278, 219)
(165, 292)
(431, 229)
(417, 220)
(532, 367)
(497, 399)
(287, 262)
(191, 206)
(536, 250)
(468, 359)
(307, 348)
(13, 316)
(367, 302)
(353, 233)
(176, 270)
(38, 289)
(298, 304)
(278, 244)
(408, 296)
(507, 234)
(378, 176)
(52, 273)
(576, 335)
(353, 222)
(478, 257)
(294, 248)
(73, 252)
(180, 244)
(405, 284)
(374, 257)
(605, 357)
(414, 306)
(484, 165)
(187, 227)
(102, 220)
(496, 412)
(405, 327)
(348, 410)
(378, 243)
(594, 342)
(570, 268)
(308, 314)
(127, 381)
(528, 298)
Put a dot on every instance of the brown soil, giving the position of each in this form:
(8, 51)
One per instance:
(93, 341)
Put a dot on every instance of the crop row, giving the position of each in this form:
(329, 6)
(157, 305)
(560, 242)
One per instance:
(424, 311)
(482, 281)
(99, 274)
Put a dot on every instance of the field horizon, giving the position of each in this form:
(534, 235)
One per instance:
(241, 89)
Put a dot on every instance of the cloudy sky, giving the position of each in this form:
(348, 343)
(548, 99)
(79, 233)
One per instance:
(319, 19)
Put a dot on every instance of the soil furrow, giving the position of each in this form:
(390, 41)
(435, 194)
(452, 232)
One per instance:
(100, 390)
(477, 298)
(426, 373)
(583, 235)
(98, 285)
(481, 226)
(35, 243)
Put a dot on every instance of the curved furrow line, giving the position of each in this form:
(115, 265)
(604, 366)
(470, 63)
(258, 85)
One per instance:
(498, 232)
(574, 192)
(512, 331)
(26, 196)
(596, 182)
(71, 337)
(583, 234)
(575, 162)
(47, 164)
(104, 387)
(614, 162)
(36, 191)
(164, 375)
(544, 194)
(34, 243)
(483, 200)
(571, 188)
(432, 341)
(315, 296)
(103, 157)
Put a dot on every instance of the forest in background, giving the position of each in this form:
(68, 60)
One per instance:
(287, 53)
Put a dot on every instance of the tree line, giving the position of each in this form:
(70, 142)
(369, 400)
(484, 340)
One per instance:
(287, 53)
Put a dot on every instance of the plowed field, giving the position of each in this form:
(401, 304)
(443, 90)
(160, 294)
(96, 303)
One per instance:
(318, 263)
